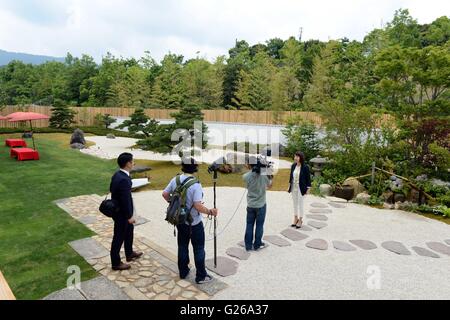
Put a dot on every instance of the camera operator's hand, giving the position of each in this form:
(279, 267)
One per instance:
(213, 212)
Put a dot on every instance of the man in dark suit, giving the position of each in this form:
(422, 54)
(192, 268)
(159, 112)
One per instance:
(123, 221)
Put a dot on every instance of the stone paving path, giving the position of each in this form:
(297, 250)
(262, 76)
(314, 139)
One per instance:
(153, 277)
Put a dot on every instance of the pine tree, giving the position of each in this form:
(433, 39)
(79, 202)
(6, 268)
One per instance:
(62, 116)
(168, 91)
(161, 138)
(137, 123)
(254, 90)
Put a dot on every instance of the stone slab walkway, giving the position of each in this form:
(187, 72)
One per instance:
(153, 277)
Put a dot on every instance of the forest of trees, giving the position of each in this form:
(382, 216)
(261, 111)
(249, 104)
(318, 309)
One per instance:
(380, 72)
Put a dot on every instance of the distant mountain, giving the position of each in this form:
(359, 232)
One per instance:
(6, 57)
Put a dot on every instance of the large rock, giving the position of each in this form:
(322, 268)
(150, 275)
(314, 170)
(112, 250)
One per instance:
(415, 197)
(388, 196)
(326, 190)
(357, 186)
(234, 163)
(388, 206)
(363, 198)
(110, 136)
(78, 146)
(403, 205)
(399, 197)
(78, 137)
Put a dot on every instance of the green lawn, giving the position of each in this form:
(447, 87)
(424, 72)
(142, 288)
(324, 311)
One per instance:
(34, 254)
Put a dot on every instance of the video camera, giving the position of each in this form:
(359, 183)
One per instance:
(214, 167)
(262, 163)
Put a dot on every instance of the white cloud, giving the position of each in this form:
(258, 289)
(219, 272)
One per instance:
(129, 28)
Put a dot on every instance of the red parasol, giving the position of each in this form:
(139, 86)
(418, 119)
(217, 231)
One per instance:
(27, 116)
(3, 118)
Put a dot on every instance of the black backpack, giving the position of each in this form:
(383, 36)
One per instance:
(177, 213)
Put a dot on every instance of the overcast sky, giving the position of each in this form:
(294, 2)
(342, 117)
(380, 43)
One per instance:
(130, 27)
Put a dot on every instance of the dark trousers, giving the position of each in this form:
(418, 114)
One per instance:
(255, 216)
(123, 233)
(198, 243)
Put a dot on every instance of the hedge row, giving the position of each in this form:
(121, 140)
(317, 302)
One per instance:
(92, 130)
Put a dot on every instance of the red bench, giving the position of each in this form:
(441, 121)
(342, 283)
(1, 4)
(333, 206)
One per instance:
(24, 154)
(16, 143)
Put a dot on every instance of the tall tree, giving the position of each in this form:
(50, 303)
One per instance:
(254, 90)
(168, 90)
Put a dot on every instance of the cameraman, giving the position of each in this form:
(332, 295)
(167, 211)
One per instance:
(257, 183)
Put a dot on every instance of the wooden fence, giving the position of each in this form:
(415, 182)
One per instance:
(85, 116)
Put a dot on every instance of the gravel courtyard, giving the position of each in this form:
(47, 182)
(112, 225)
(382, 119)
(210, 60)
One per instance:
(300, 272)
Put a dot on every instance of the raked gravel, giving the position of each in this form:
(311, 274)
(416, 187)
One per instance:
(298, 272)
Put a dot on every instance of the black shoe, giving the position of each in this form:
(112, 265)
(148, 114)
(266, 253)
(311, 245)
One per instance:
(134, 256)
(121, 267)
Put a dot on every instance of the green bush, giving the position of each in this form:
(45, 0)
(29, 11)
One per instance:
(315, 186)
(301, 136)
(375, 200)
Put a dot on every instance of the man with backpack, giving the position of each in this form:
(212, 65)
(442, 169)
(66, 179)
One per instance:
(185, 195)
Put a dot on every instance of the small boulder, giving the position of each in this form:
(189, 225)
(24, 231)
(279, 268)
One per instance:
(326, 190)
(388, 206)
(403, 205)
(363, 198)
(388, 196)
(77, 137)
(399, 197)
(415, 197)
(357, 186)
(110, 136)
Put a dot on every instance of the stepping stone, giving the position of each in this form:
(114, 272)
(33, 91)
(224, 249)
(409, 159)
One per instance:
(225, 266)
(294, 235)
(277, 240)
(425, 252)
(396, 247)
(304, 228)
(364, 244)
(102, 289)
(343, 246)
(318, 244)
(65, 294)
(322, 211)
(317, 224)
(439, 247)
(447, 242)
(239, 253)
(317, 217)
(337, 205)
(318, 205)
(210, 288)
(89, 248)
(88, 219)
